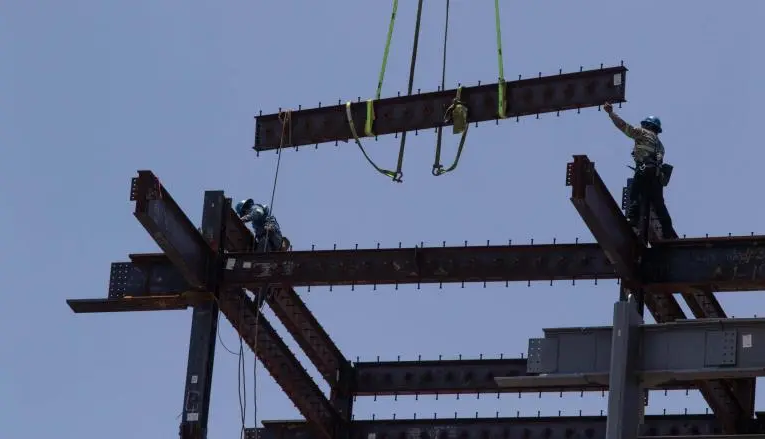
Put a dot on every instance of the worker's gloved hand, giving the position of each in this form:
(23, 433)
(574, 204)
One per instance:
(608, 107)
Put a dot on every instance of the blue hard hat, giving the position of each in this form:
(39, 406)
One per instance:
(652, 122)
(243, 205)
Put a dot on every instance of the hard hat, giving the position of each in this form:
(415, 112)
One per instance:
(243, 205)
(651, 122)
(263, 208)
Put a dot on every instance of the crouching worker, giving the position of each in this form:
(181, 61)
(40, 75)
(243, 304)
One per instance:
(268, 235)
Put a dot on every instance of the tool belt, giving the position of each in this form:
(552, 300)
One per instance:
(663, 172)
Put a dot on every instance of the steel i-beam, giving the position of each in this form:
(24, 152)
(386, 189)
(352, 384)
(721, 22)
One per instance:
(717, 264)
(300, 322)
(281, 363)
(733, 400)
(149, 283)
(682, 350)
(442, 377)
(722, 264)
(204, 330)
(600, 212)
(175, 234)
(558, 427)
(731, 406)
(423, 111)
(187, 250)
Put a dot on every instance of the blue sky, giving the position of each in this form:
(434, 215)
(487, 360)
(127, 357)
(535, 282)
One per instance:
(92, 91)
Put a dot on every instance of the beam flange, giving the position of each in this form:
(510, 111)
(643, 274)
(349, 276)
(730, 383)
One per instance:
(524, 97)
(290, 309)
(724, 264)
(442, 377)
(280, 362)
(601, 214)
(701, 350)
(172, 230)
(129, 304)
(558, 427)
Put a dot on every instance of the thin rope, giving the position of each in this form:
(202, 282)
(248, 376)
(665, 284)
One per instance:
(440, 131)
(412, 66)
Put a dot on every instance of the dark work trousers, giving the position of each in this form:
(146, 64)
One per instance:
(647, 186)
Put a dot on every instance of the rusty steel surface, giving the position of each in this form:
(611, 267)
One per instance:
(290, 309)
(719, 394)
(560, 427)
(280, 362)
(150, 276)
(238, 236)
(602, 215)
(732, 400)
(525, 97)
(175, 234)
(730, 264)
(454, 377)
(421, 265)
(186, 250)
(149, 303)
(716, 264)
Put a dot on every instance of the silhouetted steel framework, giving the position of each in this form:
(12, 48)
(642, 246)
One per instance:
(209, 268)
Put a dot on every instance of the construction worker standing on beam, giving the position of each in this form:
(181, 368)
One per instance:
(651, 174)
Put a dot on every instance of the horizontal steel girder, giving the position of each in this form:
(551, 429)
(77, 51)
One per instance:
(128, 304)
(425, 111)
(561, 427)
(442, 377)
(682, 350)
(720, 264)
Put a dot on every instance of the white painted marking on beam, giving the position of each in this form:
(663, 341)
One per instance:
(230, 262)
(746, 341)
(194, 379)
(617, 79)
(247, 265)
(192, 417)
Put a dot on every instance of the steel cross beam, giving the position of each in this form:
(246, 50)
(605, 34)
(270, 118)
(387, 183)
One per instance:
(525, 97)
(556, 427)
(722, 264)
(697, 349)
(443, 377)
(168, 224)
(300, 322)
(601, 214)
(716, 264)
(183, 275)
(701, 301)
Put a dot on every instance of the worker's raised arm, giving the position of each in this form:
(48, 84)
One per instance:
(623, 126)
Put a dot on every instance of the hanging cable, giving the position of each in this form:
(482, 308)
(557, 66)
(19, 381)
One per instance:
(260, 297)
(400, 163)
(501, 96)
(456, 113)
(370, 109)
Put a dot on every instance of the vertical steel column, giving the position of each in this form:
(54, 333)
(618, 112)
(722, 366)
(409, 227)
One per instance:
(204, 330)
(625, 393)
